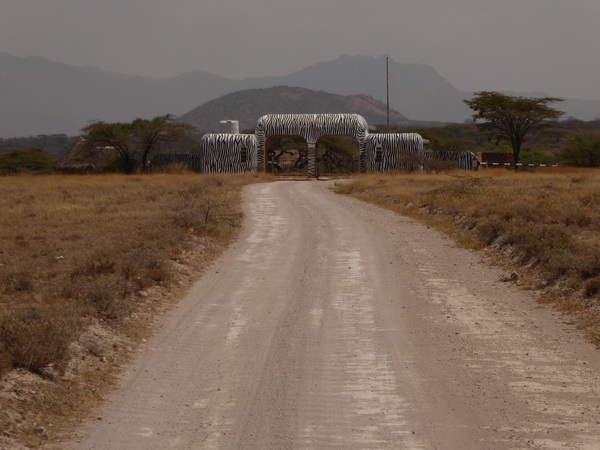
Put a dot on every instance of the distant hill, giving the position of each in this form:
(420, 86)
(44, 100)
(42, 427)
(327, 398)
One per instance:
(249, 105)
(417, 90)
(40, 96)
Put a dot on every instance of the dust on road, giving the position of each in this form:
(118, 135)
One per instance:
(334, 324)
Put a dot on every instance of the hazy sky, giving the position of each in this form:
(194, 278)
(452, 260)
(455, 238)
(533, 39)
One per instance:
(521, 45)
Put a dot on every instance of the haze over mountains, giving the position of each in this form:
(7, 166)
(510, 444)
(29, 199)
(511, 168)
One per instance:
(39, 96)
(249, 105)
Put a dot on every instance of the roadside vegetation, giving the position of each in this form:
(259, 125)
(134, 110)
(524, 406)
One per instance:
(544, 225)
(570, 142)
(86, 264)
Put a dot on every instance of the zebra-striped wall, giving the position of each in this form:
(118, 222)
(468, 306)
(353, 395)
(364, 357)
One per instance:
(463, 160)
(228, 153)
(311, 127)
(393, 151)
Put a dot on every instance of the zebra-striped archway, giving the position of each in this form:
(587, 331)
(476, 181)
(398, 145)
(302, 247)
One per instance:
(311, 127)
(377, 152)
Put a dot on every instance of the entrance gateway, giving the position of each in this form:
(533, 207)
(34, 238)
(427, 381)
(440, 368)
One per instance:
(378, 152)
(233, 152)
(311, 127)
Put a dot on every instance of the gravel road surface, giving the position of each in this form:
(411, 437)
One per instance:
(334, 324)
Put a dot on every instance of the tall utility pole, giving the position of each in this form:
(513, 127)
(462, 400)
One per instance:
(387, 81)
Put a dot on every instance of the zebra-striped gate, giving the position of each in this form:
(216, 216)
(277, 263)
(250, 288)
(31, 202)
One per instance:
(311, 127)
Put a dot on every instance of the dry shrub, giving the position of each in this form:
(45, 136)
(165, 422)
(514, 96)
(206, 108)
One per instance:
(17, 282)
(106, 294)
(591, 288)
(201, 213)
(100, 262)
(588, 265)
(5, 361)
(146, 266)
(33, 338)
(177, 168)
(536, 241)
(352, 188)
(489, 231)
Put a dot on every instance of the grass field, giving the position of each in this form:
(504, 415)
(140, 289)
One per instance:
(545, 225)
(86, 262)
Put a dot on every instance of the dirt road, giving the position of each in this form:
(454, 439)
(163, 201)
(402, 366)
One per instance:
(334, 324)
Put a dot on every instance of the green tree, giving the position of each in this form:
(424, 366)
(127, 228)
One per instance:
(149, 135)
(583, 151)
(505, 117)
(536, 156)
(29, 160)
(336, 154)
(102, 137)
(286, 153)
(134, 142)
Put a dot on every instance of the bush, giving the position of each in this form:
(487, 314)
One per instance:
(106, 294)
(489, 230)
(535, 156)
(24, 161)
(17, 282)
(592, 288)
(584, 151)
(33, 338)
(146, 266)
(5, 364)
(588, 265)
(98, 263)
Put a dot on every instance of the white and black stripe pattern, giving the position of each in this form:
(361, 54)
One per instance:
(228, 153)
(393, 151)
(162, 160)
(311, 127)
(463, 160)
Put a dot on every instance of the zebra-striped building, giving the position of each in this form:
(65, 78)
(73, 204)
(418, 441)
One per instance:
(393, 151)
(227, 153)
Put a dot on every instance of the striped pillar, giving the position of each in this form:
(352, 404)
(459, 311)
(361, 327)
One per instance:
(312, 167)
(362, 156)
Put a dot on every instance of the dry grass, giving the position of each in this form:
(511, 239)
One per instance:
(85, 264)
(546, 224)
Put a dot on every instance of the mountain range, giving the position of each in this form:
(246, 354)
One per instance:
(40, 96)
(249, 105)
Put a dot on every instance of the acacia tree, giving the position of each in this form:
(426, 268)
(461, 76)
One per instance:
(505, 117)
(149, 135)
(336, 154)
(101, 137)
(134, 142)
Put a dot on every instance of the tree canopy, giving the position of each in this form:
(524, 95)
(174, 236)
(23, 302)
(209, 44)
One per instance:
(29, 160)
(134, 142)
(510, 118)
(584, 150)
